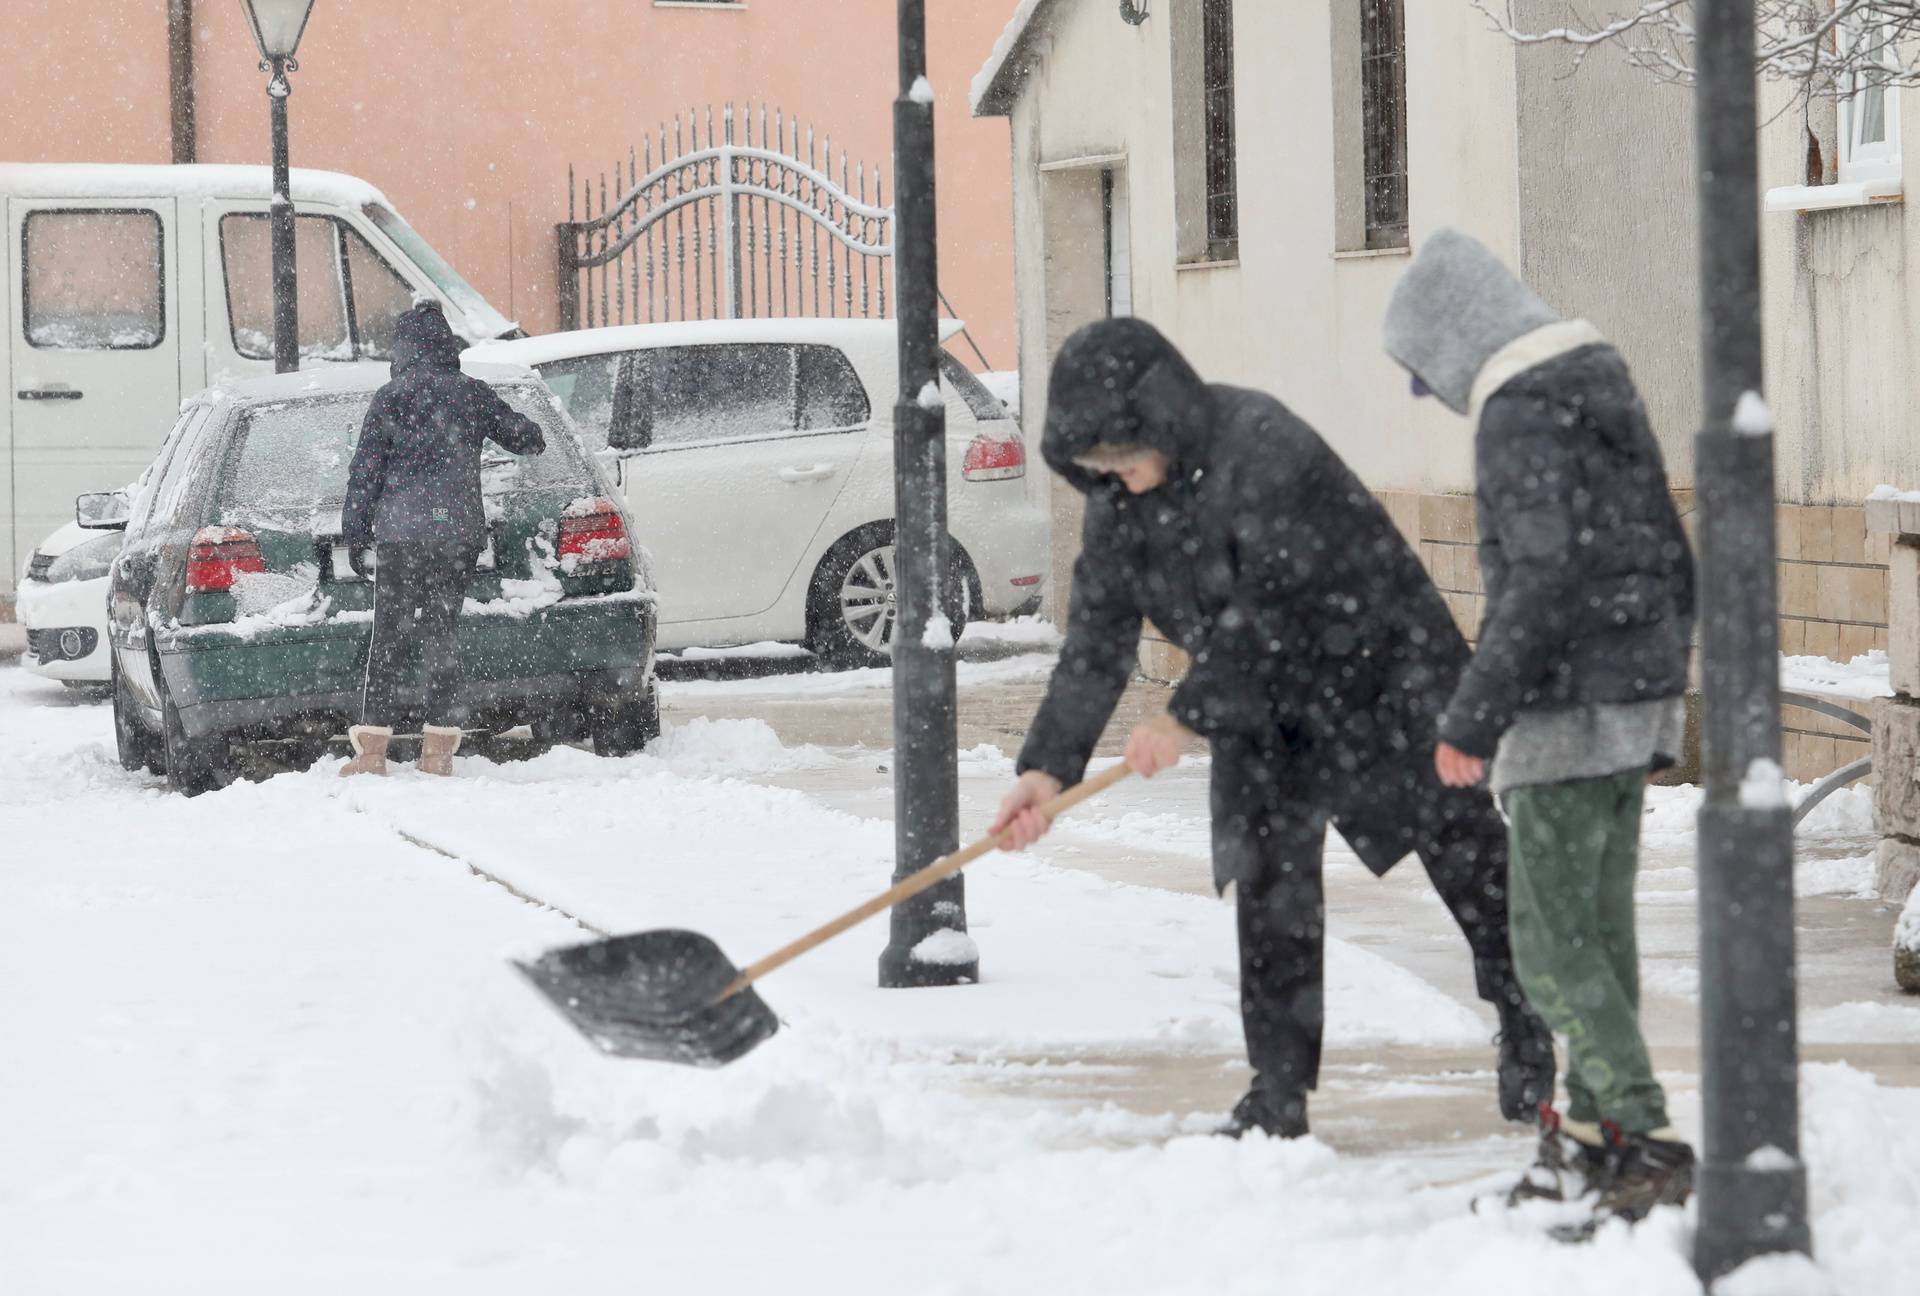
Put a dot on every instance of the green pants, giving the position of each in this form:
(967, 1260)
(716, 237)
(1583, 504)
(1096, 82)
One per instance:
(1574, 848)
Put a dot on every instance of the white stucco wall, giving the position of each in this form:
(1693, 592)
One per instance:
(1290, 317)
(1839, 288)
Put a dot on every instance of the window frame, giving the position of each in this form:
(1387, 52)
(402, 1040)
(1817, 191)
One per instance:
(26, 271)
(1880, 160)
(1383, 155)
(343, 260)
(634, 412)
(1219, 132)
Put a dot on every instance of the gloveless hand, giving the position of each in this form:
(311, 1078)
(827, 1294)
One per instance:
(1020, 810)
(1457, 769)
(1155, 745)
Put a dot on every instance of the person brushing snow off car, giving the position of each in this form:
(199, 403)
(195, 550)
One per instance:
(413, 495)
(1574, 693)
(1321, 657)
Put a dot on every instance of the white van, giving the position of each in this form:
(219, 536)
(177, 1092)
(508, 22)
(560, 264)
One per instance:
(132, 287)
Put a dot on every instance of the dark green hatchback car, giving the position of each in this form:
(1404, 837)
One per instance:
(235, 618)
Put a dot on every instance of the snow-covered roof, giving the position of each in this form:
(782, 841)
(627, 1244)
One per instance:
(994, 84)
(350, 379)
(854, 334)
(110, 180)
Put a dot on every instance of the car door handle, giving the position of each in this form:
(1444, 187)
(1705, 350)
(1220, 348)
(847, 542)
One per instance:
(59, 391)
(819, 472)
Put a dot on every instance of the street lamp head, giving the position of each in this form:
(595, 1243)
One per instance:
(277, 25)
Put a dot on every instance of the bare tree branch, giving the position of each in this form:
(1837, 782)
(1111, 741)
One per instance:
(1824, 47)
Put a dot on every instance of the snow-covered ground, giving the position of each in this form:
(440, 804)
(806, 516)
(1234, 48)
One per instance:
(266, 1040)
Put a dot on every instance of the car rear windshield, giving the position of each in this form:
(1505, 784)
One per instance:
(981, 403)
(293, 457)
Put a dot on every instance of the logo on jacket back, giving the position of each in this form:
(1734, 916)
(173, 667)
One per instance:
(440, 515)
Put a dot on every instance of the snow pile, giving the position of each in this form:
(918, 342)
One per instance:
(1862, 678)
(1751, 417)
(1764, 786)
(946, 948)
(921, 91)
(1906, 945)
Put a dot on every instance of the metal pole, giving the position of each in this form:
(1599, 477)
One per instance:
(926, 791)
(1752, 1185)
(286, 317)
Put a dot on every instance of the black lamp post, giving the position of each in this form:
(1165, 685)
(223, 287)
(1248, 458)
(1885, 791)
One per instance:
(926, 789)
(277, 27)
(1752, 1185)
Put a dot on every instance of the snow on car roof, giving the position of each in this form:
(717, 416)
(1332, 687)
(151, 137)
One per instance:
(112, 180)
(349, 379)
(856, 333)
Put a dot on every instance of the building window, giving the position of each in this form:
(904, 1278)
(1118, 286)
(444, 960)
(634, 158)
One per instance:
(1223, 204)
(1383, 114)
(94, 280)
(1870, 114)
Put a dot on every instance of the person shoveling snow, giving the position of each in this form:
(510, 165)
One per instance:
(1322, 657)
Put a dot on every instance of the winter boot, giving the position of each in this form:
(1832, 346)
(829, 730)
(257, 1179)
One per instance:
(1269, 1109)
(369, 744)
(1572, 1159)
(1648, 1170)
(437, 747)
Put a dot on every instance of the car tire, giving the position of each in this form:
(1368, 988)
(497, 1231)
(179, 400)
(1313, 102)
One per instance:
(853, 585)
(623, 726)
(138, 749)
(194, 765)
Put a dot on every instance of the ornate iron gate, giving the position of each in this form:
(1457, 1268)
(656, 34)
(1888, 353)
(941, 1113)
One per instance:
(730, 228)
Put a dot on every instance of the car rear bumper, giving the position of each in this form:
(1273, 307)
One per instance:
(284, 681)
(66, 625)
(1006, 545)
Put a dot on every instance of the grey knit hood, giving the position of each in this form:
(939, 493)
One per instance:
(1453, 310)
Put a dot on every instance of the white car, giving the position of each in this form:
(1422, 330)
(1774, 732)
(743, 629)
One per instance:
(62, 603)
(757, 456)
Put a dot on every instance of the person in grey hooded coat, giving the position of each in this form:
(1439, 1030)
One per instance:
(1574, 693)
(1321, 656)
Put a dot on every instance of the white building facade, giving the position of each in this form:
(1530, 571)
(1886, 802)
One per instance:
(1251, 177)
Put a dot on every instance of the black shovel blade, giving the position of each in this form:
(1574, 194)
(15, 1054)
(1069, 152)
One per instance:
(654, 995)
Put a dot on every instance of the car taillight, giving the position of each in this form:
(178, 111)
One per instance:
(218, 555)
(593, 532)
(992, 458)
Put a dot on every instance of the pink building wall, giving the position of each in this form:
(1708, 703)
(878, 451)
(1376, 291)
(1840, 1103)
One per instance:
(467, 115)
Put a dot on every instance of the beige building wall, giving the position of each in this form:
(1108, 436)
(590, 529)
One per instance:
(467, 115)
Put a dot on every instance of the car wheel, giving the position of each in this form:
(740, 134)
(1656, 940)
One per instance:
(194, 765)
(139, 750)
(625, 725)
(852, 610)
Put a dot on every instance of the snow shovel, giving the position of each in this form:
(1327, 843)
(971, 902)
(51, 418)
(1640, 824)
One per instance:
(673, 996)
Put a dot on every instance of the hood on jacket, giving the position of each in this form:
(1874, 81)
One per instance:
(1119, 382)
(1453, 310)
(423, 337)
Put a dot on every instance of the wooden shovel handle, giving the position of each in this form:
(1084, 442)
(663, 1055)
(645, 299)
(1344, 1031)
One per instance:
(938, 871)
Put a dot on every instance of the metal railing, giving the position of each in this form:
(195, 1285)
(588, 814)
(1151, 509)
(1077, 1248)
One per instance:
(750, 221)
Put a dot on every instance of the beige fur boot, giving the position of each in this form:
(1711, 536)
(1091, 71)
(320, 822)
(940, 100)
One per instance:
(369, 750)
(437, 747)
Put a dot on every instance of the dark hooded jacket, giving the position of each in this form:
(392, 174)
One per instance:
(416, 472)
(1315, 635)
(1588, 574)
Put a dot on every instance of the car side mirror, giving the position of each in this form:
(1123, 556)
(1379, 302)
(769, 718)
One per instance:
(102, 511)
